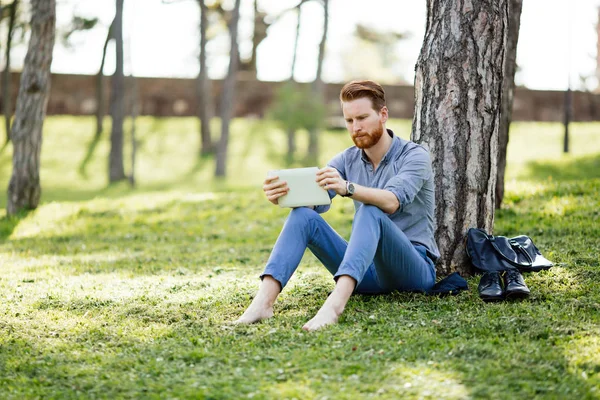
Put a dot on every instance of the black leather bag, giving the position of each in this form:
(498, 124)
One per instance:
(499, 253)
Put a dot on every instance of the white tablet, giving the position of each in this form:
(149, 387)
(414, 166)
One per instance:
(304, 189)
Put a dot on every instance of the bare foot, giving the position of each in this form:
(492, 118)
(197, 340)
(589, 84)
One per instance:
(254, 314)
(325, 316)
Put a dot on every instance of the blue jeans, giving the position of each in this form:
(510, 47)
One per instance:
(379, 256)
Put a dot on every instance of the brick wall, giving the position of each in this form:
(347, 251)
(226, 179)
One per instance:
(74, 94)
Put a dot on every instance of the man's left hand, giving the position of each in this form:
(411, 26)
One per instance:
(329, 178)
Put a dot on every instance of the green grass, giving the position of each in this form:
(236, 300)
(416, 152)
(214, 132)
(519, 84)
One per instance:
(109, 292)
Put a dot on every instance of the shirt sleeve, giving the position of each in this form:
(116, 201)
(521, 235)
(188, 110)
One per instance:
(414, 172)
(336, 162)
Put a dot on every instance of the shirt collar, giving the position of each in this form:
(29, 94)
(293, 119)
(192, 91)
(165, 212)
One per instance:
(389, 153)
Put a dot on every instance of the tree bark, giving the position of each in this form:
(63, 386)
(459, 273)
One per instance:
(508, 89)
(204, 87)
(117, 103)
(24, 189)
(6, 81)
(227, 103)
(318, 87)
(458, 90)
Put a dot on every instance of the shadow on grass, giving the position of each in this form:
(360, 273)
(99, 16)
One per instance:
(4, 147)
(8, 224)
(202, 161)
(195, 235)
(89, 155)
(587, 167)
(5, 163)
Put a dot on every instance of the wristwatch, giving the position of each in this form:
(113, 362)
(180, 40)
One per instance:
(349, 189)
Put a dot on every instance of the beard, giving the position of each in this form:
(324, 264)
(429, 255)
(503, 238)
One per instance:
(366, 140)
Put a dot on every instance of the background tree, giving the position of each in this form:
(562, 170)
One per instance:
(318, 86)
(80, 24)
(291, 130)
(228, 93)
(6, 81)
(116, 171)
(259, 33)
(204, 86)
(378, 46)
(134, 106)
(508, 89)
(100, 109)
(458, 89)
(24, 189)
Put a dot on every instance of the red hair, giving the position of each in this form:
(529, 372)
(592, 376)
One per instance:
(360, 89)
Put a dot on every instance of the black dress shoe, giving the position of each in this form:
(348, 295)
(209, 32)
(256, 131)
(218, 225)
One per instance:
(490, 288)
(514, 285)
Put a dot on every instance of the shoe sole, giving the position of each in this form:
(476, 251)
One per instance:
(491, 299)
(517, 295)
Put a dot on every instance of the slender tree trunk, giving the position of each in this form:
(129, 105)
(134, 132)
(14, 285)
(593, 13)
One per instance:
(117, 103)
(24, 189)
(508, 89)
(6, 81)
(318, 87)
(291, 133)
(258, 34)
(204, 87)
(227, 97)
(567, 118)
(100, 110)
(135, 110)
(458, 90)
(296, 41)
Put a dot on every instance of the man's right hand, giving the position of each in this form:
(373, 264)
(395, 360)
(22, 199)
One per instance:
(274, 190)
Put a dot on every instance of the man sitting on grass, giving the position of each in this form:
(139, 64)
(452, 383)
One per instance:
(391, 246)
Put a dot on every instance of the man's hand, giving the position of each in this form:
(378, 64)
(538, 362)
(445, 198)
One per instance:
(274, 190)
(329, 178)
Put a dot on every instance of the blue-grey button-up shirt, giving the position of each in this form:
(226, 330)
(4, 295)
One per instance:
(405, 170)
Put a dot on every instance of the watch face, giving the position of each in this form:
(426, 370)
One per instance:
(350, 189)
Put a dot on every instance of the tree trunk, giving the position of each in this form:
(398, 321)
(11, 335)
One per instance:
(508, 89)
(258, 35)
(227, 97)
(6, 81)
(100, 86)
(24, 188)
(117, 103)
(291, 132)
(135, 111)
(458, 90)
(100, 109)
(296, 41)
(318, 89)
(567, 118)
(204, 87)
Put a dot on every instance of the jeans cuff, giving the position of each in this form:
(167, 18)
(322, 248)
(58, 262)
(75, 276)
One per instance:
(281, 283)
(352, 274)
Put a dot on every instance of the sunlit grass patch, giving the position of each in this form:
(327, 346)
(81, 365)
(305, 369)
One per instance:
(129, 293)
(583, 353)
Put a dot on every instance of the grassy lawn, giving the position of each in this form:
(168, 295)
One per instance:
(121, 293)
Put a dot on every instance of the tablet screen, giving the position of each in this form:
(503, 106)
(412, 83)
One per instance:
(304, 190)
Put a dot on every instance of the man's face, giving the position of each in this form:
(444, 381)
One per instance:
(365, 125)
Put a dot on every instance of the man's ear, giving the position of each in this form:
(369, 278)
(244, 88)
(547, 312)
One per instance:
(384, 114)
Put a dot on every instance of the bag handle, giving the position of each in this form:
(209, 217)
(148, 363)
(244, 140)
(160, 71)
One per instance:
(514, 244)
